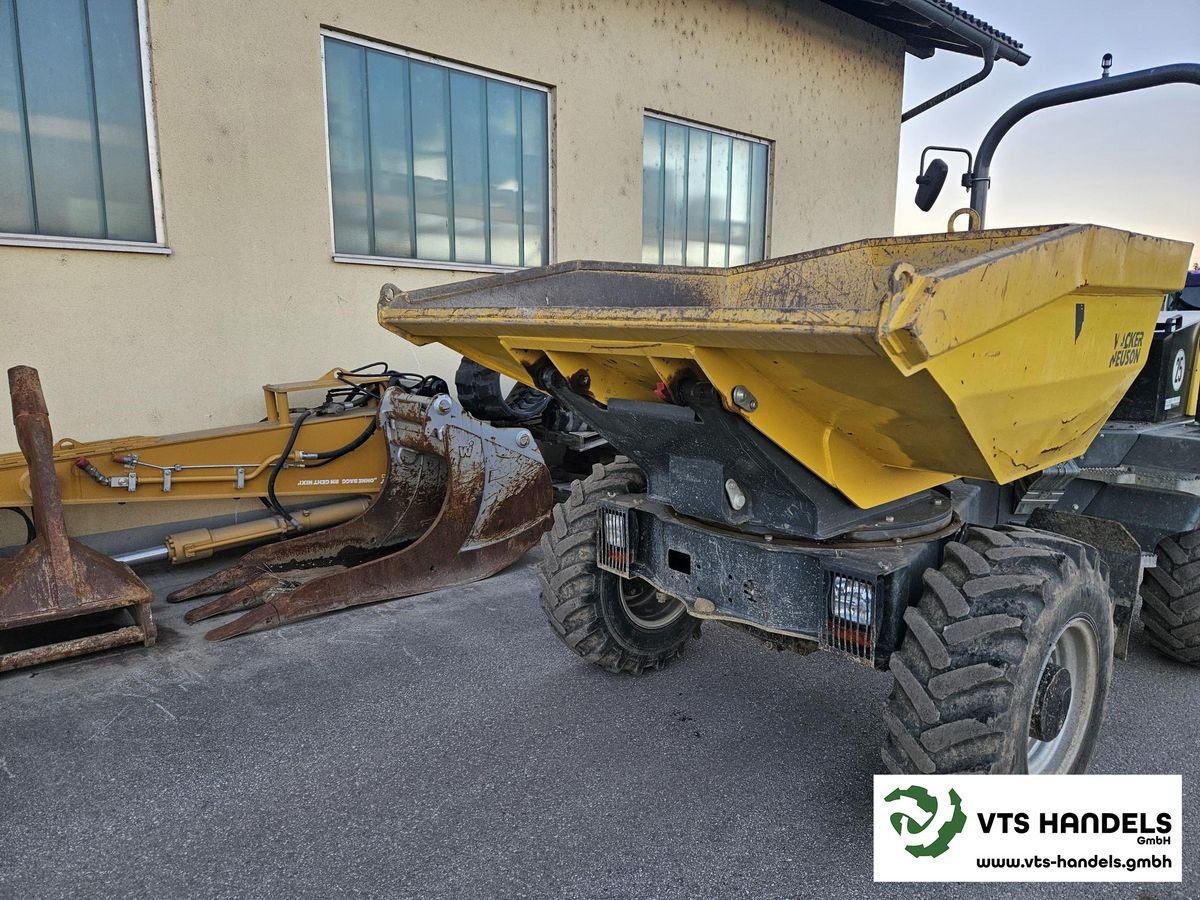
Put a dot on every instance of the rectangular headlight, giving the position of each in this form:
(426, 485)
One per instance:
(852, 600)
(614, 540)
(614, 523)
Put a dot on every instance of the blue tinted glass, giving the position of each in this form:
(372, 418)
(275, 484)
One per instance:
(739, 203)
(16, 198)
(468, 128)
(652, 190)
(758, 204)
(74, 158)
(718, 207)
(535, 175)
(704, 196)
(429, 162)
(391, 155)
(699, 148)
(504, 173)
(345, 91)
(120, 115)
(431, 159)
(675, 195)
(59, 107)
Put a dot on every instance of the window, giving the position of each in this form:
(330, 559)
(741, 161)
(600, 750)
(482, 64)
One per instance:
(704, 196)
(75, 151)
(432, 162)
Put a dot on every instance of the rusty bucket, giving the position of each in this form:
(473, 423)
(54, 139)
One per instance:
(53, 577)
(462, 501)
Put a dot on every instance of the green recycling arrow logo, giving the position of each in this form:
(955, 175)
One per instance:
(918, 821)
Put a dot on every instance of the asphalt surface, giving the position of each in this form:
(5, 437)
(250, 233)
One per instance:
(449, 746)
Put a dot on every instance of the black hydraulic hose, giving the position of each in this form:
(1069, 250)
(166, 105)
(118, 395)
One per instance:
(1176, 73)
(425, 385)
(278, 467)
(30, 530)
(328, 456)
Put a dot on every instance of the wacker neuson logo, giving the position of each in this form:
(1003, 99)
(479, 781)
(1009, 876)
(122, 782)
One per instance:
(1028, 828)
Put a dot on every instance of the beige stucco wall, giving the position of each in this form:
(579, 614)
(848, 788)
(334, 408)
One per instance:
(133, 343)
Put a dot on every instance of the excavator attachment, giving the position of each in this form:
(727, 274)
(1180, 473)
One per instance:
(53, 578)
(462, 500)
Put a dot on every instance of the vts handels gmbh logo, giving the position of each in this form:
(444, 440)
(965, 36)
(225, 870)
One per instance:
(918, 814)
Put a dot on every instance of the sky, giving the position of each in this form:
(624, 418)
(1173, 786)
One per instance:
(1131, 161)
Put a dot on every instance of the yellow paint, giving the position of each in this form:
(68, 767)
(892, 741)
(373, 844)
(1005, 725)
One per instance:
(884, 366)
(1193, 387)
(210, 459)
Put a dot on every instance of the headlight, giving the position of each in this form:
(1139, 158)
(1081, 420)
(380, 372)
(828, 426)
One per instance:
(852, 600)
(614, 540)
(615, 528)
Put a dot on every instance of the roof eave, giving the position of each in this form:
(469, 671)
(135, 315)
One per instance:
(927, 26)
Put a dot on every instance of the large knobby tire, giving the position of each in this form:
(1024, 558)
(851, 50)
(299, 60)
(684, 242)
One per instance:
(1008, 609)
(1171, 599)
(621, 625)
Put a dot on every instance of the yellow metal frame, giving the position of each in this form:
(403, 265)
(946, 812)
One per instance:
(209, 461)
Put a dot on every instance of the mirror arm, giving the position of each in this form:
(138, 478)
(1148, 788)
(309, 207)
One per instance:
(970, 162)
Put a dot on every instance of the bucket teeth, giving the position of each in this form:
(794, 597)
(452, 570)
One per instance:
(462, 500)
(243, 597)
(216, 583)
(257, 619)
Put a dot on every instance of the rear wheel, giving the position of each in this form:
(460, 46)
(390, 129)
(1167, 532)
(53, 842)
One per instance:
(1007, 661)
(1171, 599)
(619, 624)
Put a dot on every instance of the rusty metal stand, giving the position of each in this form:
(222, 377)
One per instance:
(462, 501)
(54, 577)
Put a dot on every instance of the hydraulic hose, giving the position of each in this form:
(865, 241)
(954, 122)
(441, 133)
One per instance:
(278, 467)
(30, 530)
(328, 456)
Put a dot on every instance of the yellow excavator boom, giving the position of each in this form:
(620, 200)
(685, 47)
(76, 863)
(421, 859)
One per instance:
(220, 463)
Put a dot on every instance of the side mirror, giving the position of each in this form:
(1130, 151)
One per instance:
(929, 185)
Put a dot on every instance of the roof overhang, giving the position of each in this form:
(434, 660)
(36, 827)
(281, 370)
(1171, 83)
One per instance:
(931, 25)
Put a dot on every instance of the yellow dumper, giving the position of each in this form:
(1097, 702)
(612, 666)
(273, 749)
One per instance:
(833, 450)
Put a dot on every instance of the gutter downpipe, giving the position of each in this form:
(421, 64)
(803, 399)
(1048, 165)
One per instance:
(988, 51)
(989, 48)
(1175, 73)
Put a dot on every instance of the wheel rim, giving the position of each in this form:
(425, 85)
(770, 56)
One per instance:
(646, 607)
(1077, 651)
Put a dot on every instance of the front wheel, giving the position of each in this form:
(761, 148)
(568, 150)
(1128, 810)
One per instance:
(618, 624)
(1007, 661)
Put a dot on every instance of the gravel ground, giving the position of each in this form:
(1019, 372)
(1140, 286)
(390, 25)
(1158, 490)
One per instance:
(449, 746)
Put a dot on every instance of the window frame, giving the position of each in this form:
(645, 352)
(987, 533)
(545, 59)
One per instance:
(159, 244)
(401, 262)
(768, 201)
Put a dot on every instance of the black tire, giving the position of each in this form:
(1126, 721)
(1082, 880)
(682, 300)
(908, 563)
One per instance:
(585, 604)
(976, 648)
(1171, 599)
(480, 394)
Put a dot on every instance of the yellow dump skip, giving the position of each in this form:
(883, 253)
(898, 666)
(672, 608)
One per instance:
(885, 366)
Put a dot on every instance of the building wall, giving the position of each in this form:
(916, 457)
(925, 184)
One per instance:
(134, 343)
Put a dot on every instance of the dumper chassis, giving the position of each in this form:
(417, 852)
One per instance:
(791, 433)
